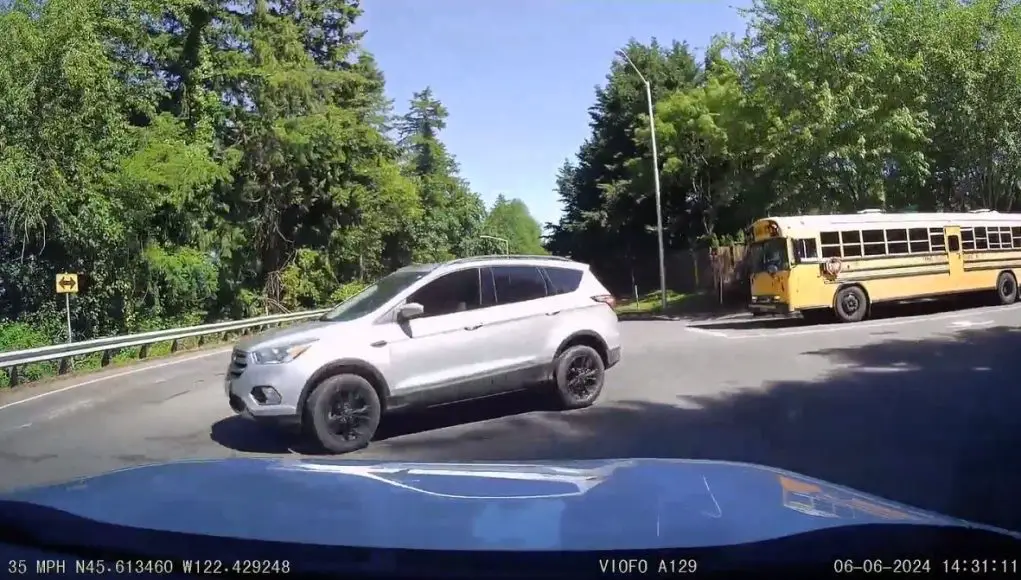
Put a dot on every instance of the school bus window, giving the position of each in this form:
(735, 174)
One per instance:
(896, 241)
(850, 243)
(874, 242)
(936, 238)
(830, 244)
(994, 239)
(967, 238)
(954, 245)
(919, 240)
(896, 235)
(1000, 238)
(805, 249)
(981, 242)
(1016, 234)
(873, 236)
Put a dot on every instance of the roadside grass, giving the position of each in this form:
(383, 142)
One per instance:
(651, 303)
(698, 304)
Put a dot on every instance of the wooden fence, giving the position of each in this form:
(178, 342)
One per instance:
(723, 270)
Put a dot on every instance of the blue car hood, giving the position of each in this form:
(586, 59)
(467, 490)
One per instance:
(580, 505)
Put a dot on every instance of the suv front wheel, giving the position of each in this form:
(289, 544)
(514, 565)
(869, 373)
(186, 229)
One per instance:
(578, 377)
(343, 413)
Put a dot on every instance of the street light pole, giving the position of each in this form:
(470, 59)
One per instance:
(506, 244)
(655, 177)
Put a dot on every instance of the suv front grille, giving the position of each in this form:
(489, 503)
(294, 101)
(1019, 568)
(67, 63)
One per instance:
(238, 363)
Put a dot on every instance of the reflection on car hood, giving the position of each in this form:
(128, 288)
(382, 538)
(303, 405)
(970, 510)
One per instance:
(579, 505)
(279, 335)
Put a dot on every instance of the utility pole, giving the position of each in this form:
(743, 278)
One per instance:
(655, 176)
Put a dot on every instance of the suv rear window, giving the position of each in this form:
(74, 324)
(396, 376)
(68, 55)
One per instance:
(518, 284)
(563, 280)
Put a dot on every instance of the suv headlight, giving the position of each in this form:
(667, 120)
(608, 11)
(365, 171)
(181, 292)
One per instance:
(275, 355)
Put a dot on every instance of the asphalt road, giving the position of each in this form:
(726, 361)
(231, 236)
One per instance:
(921, 408)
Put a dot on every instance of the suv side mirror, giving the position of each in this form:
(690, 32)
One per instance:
(410, 310)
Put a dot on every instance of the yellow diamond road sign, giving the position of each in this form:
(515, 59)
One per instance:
(67, 283)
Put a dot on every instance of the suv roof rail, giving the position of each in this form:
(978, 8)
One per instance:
(508, 257)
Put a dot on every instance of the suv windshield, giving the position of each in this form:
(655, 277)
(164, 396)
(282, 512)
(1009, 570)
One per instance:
(770, 255)
(374, 296)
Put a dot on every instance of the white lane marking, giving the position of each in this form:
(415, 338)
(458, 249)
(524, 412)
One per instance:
(68, 409)
(117, 375)
(837, 327)
(971, 323)
(716, 333)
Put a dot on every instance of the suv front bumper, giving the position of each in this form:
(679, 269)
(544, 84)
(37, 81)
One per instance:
(242, 386)
(613, 357)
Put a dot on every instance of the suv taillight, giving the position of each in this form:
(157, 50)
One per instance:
(606, 299)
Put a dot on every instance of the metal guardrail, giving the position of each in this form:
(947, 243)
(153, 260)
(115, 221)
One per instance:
(109, 346)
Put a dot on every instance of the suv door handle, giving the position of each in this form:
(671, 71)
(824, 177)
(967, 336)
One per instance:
(379, 343)
(475, 327)
(552, 313)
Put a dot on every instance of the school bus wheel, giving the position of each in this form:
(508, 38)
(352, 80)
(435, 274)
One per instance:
(1006, 288)
(850, 304)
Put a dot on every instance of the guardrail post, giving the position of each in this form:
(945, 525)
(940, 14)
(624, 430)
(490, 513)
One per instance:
(202, 340)
(173, 345)
(143, 351)
(65, 365)
(105, 361)
(12, 377)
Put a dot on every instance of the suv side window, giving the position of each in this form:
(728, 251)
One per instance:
(563, 280)
(455, 292)
(518, 283)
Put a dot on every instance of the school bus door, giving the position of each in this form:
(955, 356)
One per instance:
(955, 257)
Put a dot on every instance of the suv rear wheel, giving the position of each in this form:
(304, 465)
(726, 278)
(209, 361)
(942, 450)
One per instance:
(343, 413)
(578, 377)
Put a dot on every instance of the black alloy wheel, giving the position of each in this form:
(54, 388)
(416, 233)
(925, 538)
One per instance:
(579, 376)
(344, 411)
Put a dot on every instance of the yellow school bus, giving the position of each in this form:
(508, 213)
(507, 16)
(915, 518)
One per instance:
(842, 264)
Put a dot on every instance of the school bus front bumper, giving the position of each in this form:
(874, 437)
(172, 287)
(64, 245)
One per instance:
(768, 305)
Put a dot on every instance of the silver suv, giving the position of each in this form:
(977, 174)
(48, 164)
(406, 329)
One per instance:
(428, 335)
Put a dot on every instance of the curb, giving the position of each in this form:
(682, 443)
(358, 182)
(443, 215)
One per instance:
(649, 317)
(693, 316)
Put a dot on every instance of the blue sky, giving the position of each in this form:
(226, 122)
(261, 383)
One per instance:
(517, 76)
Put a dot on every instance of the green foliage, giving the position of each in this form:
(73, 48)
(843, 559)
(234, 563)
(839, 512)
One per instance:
(346, 291)
(451, 213)
(511, 221)
(825, 106)
(308, 280)
(195, 161)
